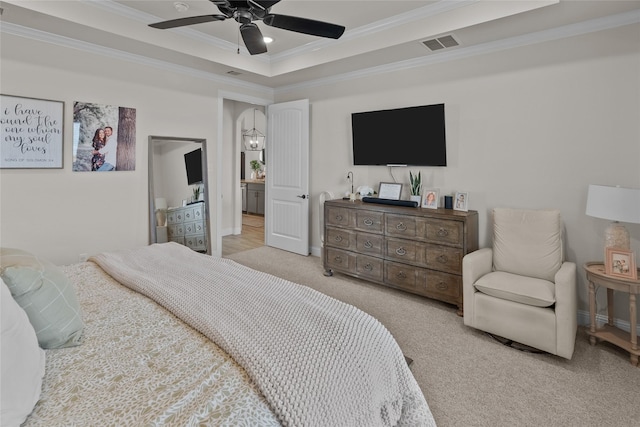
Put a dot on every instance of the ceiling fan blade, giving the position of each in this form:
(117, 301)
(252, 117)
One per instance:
(181, 22)
(253, 39)
(305, 26)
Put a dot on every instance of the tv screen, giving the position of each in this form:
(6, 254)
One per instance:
(193, 163)
(411, 136)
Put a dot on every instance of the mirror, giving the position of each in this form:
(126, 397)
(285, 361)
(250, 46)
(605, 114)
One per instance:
(178, 206)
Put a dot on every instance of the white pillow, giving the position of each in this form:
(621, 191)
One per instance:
(21, 360)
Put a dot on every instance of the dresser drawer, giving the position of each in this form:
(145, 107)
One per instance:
(402, 250)
(370, 244)
(443, 231)
(441, 284)
(340, 260)
(176, 230)
(370, 221)
(342, 217)
(369, 267)
(340, 238)
(401, 275)
(400, 226)
(195, 242)
(444, 258)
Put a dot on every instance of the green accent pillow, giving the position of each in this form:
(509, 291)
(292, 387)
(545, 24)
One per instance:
(46, 295)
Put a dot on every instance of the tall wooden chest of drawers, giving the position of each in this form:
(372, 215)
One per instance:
(413, 249)
(186, 225)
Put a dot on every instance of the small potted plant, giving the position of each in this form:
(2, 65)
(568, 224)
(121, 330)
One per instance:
(196, 193)
(416, 186)
(256, 167)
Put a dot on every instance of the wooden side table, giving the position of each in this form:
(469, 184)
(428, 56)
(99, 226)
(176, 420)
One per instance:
(596, 276)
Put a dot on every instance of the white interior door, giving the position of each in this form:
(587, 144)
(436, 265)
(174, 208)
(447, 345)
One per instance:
(287, 183)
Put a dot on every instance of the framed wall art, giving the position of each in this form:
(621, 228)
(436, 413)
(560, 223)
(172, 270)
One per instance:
(620, 263)
(31, 133)
(104, 138)
(390, 190)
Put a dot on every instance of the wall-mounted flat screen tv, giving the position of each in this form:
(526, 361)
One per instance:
(193, 163)
(411, 136)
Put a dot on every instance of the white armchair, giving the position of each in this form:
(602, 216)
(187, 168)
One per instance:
(521, 288)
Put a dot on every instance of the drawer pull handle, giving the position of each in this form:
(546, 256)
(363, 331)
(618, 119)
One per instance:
(443, 233)
(401, 226)
(443, 259)
(338, 238)
(368, 244)
(368, 222)
(401, 275)
(338, 217)
(442, 286)
(368, 267)
(401, 251)
(338, 258)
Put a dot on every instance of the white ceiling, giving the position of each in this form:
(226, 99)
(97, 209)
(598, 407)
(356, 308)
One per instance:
(378, 33)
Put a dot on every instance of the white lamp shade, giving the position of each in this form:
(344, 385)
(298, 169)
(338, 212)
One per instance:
(161, 203)
(614, 203)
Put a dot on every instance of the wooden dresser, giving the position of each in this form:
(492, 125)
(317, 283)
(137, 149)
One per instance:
(413, 249)
(186, 225)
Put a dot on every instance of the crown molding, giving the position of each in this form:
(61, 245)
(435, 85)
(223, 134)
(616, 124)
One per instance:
(566, 31)
(581, 28)
(30, 33)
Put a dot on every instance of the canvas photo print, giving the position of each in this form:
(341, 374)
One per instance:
(104, 138)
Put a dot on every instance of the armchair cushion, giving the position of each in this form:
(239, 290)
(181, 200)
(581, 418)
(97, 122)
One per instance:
(520, 289)
(527, 243)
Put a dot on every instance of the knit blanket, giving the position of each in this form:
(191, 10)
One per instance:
(316, 360)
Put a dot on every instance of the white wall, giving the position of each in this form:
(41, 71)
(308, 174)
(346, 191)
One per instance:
(530, 127)
(526, 127)
(60, 214)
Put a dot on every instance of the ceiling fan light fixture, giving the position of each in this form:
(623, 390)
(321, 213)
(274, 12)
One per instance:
(253, 139)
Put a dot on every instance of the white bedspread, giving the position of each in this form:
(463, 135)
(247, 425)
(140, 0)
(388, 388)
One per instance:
(317, 361)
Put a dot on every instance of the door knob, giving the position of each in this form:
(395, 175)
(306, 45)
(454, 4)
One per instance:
(303, 196)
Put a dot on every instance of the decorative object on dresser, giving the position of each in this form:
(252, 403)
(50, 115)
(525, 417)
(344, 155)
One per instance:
(597, 276)
(390, 190)
(521, 288)
(461, 202)
(187, 226)
(416, 186)
(430, 199)
(415, 250)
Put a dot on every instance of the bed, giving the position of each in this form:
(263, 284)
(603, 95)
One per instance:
(173, 337)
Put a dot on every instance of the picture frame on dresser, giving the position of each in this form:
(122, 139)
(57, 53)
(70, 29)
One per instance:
(430, 198)
(461, 201)
(390, 190)
(620, 263)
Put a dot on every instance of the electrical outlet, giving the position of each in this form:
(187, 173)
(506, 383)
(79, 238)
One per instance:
(83, 257)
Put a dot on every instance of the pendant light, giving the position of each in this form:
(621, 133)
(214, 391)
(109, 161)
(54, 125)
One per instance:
(253, 139)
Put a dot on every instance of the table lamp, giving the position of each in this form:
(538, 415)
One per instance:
(618, 205)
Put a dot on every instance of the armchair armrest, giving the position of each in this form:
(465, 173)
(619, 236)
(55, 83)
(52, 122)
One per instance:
(474, 266)
(566, 309)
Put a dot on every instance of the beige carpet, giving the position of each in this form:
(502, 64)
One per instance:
(467, 377)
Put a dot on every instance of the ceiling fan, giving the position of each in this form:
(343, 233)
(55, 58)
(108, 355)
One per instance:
(245, 12)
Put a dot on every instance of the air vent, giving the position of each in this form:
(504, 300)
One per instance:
(440, 43)
(234, 73)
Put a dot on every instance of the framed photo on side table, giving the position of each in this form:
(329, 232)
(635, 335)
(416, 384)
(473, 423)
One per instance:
(461, 202)
(620, 263)
(430, 199)
(390, 190)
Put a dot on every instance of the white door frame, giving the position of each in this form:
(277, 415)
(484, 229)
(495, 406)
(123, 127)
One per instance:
(230, 96)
